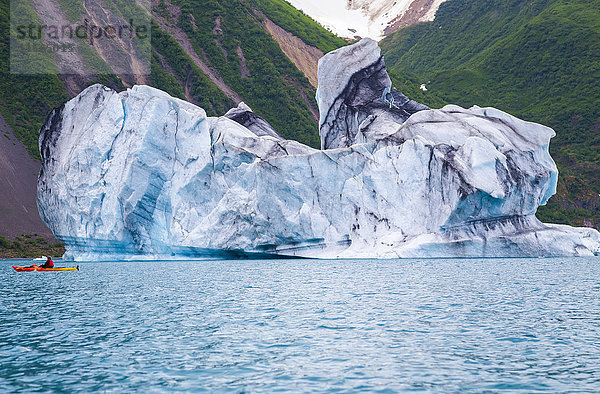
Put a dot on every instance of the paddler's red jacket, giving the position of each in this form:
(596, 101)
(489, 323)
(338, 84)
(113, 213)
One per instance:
(48, 264)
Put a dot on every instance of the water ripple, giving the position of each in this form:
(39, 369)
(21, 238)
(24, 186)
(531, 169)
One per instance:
(524, 325)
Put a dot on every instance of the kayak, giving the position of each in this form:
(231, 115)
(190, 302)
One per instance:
(36, 268)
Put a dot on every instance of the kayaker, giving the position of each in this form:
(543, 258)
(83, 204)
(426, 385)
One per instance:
(48, 264)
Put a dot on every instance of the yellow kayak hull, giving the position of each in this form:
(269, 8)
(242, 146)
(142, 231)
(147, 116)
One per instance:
(36, 268)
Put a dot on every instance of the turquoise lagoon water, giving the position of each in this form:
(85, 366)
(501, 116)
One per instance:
(302, 325)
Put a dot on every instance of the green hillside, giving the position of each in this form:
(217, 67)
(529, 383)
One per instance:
(273, 83)
(536, 59)
(25, 101)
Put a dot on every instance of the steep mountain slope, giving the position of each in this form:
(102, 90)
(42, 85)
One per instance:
(212, 53)
(368, 18)
(18, 180)
(537, 59)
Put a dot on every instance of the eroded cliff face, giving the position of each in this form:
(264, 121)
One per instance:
(140, 174)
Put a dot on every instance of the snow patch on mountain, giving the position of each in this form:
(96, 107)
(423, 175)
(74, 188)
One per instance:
(366, 18)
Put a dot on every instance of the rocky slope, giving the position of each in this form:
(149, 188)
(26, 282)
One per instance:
(18, 184)
(164, 180)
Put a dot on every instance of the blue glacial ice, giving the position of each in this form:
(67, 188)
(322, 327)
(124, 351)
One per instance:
(142, 175)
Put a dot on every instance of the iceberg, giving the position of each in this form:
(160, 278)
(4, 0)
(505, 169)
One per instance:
(142, 175)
